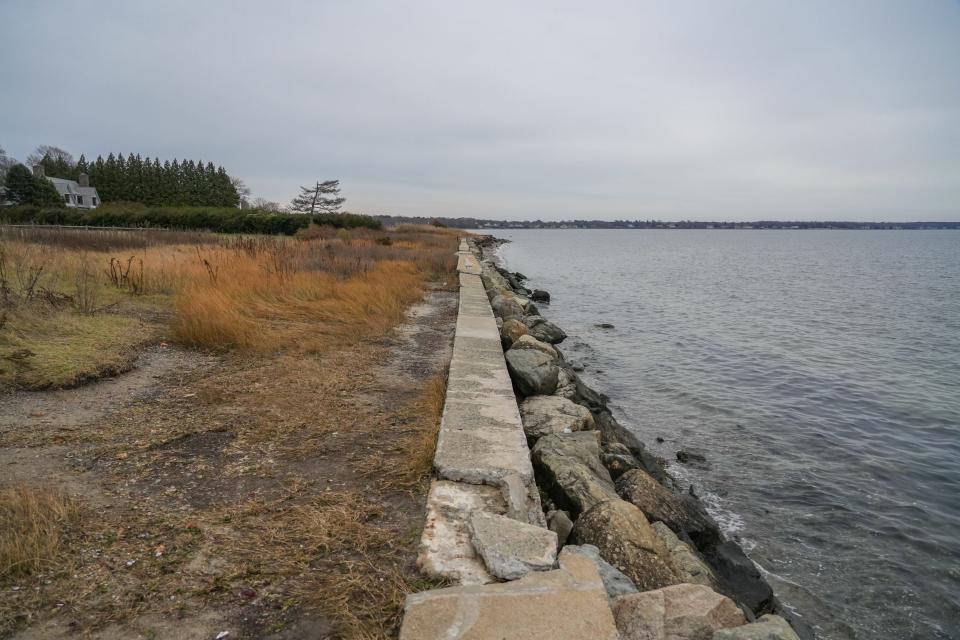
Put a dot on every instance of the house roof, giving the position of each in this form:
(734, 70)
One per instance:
(65, 186)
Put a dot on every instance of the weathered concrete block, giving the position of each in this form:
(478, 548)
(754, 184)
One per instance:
(446, 550)
(511, 549)
(569, 602)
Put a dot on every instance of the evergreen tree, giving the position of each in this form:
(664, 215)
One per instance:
(25, 188)
(324, 197)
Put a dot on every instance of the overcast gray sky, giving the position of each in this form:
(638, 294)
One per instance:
(833, 109)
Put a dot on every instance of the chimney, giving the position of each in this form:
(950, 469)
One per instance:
(84, 180)
(38, 171)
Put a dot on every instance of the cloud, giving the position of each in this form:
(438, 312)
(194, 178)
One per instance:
(520, 110)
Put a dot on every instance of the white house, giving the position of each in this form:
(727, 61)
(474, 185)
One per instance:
(79, 195)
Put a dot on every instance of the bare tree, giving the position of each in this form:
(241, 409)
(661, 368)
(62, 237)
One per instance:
(54, 153)
(265, 205)
(323, 197)
(242, 189)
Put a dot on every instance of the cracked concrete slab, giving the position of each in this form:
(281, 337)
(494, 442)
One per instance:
(446, 550)
(569, 602)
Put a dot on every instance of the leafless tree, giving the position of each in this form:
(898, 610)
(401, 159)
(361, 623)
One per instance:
(265, 205)
(55, 153)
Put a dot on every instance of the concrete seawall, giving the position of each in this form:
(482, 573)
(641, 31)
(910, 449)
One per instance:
(623, 555)
(484, 515)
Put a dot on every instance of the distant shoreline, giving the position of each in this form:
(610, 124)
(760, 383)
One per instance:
(486, 225)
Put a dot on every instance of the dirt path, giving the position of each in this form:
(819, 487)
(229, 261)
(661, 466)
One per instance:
(265, 497)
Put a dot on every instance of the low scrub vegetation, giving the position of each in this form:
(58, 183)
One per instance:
(75, 304)
(218, 219)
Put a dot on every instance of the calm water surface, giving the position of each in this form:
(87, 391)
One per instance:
(819, 371)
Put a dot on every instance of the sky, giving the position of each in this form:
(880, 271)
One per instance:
(706, 110)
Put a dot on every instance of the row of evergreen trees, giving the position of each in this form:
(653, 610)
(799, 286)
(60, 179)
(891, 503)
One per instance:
(149, 181)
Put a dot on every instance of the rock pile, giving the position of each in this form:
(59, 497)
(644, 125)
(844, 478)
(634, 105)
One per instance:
(619, 554)
(602, 490)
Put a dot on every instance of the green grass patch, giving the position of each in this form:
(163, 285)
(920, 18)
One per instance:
(53, 348)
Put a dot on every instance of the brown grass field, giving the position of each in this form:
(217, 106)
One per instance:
(261, 468)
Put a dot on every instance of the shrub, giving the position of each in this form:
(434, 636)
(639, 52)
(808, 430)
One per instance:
(222, 220)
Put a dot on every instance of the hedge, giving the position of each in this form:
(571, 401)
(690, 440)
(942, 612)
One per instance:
(222, 220)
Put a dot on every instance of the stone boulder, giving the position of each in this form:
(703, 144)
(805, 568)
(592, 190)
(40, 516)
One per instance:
(526, 341)
(569, 470)
(533, 372)
(545, 415)
(614, 580)
(680, 513)
(566, 383)
(690, 567)
(741, 578)
(539, 295)
(618, 459)
(511, 331)
(679, 612)
(543, 329)
(506, 306)
(560, 523)
(627, 541)
(511, 549)
(768, 627)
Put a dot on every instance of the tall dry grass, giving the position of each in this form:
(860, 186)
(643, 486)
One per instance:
(251, 292)
(33, 522)
(266, 293)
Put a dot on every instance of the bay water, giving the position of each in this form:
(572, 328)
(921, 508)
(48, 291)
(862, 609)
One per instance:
(818, 372)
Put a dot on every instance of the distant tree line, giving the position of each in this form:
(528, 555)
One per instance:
(146, 180)
(137, 179)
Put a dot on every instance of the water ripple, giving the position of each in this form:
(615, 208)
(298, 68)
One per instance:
(819, 371)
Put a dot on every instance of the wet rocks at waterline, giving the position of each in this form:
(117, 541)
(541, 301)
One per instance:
(610, 499)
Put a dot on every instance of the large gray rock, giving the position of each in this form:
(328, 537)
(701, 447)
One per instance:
(560, 523)
(741, 577)
(768, 627)
(679, 512)
(546, 415)
(690, 567)
(543, 329)
(511, 549)
(679, 612)
(569, 470)
(533, 372)
(566, 383)
(614, 580)
(506, 306)
(627, 541)
(511, 330)
(618, 459)
(526, 341)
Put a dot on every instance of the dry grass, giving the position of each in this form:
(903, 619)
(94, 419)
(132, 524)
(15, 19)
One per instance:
(252, 475)
(414, 459)
(77, 304)
(33, 522)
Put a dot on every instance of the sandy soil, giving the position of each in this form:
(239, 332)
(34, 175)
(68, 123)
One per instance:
(211, 485)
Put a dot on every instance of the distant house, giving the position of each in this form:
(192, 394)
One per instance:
(79, 194)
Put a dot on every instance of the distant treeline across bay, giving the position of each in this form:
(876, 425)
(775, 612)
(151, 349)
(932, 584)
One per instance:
(482, 223)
